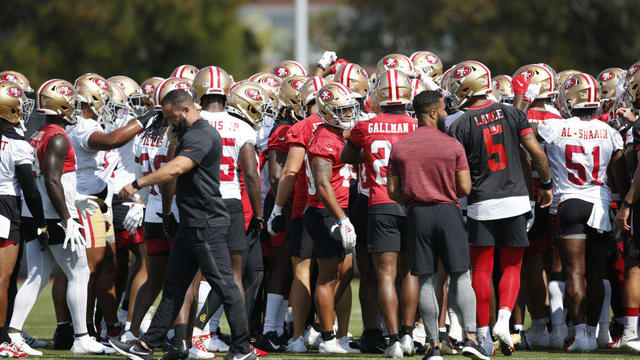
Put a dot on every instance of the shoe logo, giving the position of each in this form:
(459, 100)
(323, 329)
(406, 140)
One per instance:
(133, 351)
(273, 345)
(236, 357)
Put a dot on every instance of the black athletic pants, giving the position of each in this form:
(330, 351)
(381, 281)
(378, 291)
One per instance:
(204, 248)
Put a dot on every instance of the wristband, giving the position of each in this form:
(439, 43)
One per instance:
(135, 184)
(627, 204)
(545, 185)
(339, 222)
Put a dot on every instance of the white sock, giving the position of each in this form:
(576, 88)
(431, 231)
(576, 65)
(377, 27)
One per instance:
(484, 331)
(591, 331)
(538, 324)
(518, 327)
(271, 313)
(580, 330)
(630, 327)
(289, 317)
(15, 337)
(127, 325)
(282, 312)
(202, 298)
(441, 329)
(215, 320)
(606, 303)
(503, 317)
(556, 295)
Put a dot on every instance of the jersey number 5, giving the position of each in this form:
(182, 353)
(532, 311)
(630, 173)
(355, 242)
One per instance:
(499, 162)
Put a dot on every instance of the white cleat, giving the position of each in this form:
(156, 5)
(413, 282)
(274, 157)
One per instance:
(344, 343)
(200, 353)
(331, 347)
(633, 344)
(88, 345)
(215, 344)
(146, 321)
(18, 341)
(503, 334)
(394, 351)
(559, 333)
(604, 338)
(312, 338)
(296, 346)
(537, 339)
(419, 334)
(407, 345)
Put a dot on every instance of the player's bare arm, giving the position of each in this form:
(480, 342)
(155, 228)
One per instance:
(289, 173)
(277, 161)
(52, 166)
(541, 164)
(170, 171)
(168, 190)
(247, 159)
(394, 189)
(632, 196)
(321, 170)
(351, 155)
(106, 141)
(463, 183)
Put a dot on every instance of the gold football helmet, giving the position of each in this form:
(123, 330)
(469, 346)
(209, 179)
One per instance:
(169, 85)
(95, 91)
(249, 100)
(468, 79)
(562, 76)
(502, 88)
(632, 86)
(355, 78)
(579, 92)
(426, 64)
(288, 94)
(287, 68)
(149, 88)
(608, 80)
(308, 93)
(15, 107)
(271, 85)
(185, 72)
(396, 62)
(543, 75)
(18, 78)
(57, 97)
(393, 87)
(132, 90)
(338, 106)
(211, 80)
(121, 107)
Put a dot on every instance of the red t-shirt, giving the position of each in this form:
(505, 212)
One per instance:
(299, 134)
(426, 162)
(40, 140)
(376, 137)
(327, 143)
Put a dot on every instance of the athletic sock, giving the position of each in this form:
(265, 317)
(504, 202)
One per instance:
(327, 335)
(393, 338)
(580, 330)
(556, 297)
(282, 313)
(591, 331)
(4, 335)
(181, 331)
(606, 303)
(406, 330)
(538, 325)
(510, 265)
(518, 328)
(482, 268)
(630, 322)
(504, 316)
(271, 313)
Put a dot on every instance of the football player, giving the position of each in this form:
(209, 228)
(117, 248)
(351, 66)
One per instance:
(580, 150)
(498, 204)
(386, 237)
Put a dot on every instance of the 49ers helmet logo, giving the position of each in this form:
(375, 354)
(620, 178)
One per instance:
(120, 84)
(148, 89)
(634, 69)
(605, 76)
(253, 94)
(64, 90)
(431, 59)
(271, 82)
(101, 84)
(390, 62)
(569, 83)
(326, 96)
(297, 84)
(14, 91)
(527, 74)
(282, 71)
(183, 86)
(462, 72)
(10, 77)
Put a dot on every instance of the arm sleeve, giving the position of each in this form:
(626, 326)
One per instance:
(30, 192)
(196, 144)
(356, 139)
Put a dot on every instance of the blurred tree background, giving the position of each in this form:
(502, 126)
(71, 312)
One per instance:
(137, 38)
(587, 35)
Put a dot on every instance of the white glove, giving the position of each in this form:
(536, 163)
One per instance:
(86, 203)
(533, 215)
(431, 85)
(328, 58)
(277, 211)
(344, 231)
(532, 92)
(134, 217)
(73, 236)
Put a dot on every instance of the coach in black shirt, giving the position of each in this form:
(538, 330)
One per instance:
(201, 241)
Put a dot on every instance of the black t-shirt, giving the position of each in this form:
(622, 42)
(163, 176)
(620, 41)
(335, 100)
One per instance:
(198, 190)
(490, 135)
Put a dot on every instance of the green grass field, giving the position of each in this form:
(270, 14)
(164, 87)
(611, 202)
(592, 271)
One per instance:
(41, 324)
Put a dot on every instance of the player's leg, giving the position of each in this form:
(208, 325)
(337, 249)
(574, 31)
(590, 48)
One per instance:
(596, 257)
(8, 258)
(386, 271)
(301, 252)
(325, 294)
(343, 297)
(106, 290)
(556, 287)
(140, 269)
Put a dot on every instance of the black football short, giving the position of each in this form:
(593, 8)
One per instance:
(119, 214)
(29, 231)
(507, 232)
(386, 233)
(632, 241)
(300, 242)
(573, 215)
(358, 217)
(10, 208)
(318, 223)
(237, 234)
(540, 233)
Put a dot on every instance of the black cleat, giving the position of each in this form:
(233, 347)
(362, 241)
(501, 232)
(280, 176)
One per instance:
(269, 342)
(179, 350)
(132, 349)
(474, 351)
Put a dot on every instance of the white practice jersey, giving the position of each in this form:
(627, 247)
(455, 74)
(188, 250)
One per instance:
(263, 133)
(90, 172)
(13, 152)
(579, 153)
(152, 154)
(234, 133)
(360, 168)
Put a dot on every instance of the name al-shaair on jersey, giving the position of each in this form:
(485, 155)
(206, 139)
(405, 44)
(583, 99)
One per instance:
(152, 153)
(234, 133)
(579, 153)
